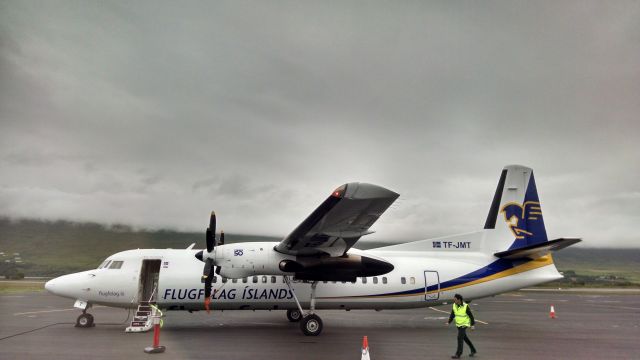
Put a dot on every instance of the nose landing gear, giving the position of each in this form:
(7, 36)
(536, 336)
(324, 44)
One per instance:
(85, 320)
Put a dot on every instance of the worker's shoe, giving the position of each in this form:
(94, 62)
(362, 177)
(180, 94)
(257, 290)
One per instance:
(472, 354)
(455, 357)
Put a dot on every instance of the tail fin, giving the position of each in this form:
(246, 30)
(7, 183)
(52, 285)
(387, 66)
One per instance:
(514, 228)
(515, 211)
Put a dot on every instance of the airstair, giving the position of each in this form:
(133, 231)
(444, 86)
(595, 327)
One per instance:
(141, 321)
(143, 318)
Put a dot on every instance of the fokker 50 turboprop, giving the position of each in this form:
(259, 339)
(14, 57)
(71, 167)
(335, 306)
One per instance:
(316, 266)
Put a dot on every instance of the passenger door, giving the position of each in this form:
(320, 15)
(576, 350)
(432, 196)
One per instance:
(431, 285)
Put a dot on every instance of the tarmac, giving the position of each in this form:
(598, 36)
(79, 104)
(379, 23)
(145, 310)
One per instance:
(511, 326)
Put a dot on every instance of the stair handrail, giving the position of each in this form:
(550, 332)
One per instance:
(155, 287)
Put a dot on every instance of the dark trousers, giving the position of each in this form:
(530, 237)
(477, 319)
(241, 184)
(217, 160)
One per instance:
(462, 336)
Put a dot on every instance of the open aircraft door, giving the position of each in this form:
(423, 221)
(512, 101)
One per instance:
(431, 285)
(149, 280)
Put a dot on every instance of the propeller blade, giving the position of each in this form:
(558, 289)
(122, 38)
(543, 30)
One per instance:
(207, 278)
(211, 231)
(207, 270)
(211, 242)
(212, 222)
(221, 242)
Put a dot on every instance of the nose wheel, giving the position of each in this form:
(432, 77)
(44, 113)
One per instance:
(85, 320)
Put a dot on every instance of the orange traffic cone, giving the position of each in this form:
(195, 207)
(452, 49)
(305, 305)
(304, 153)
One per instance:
(552, 313)
(365, 349)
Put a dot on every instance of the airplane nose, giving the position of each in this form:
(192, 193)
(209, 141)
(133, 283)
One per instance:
(50, 285)
(70, 285)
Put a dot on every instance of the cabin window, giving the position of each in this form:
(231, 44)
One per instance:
(375, 279)
(264, 279)
(333, 282)
(215, 279)
(255, 279)
(116, 265)
(384, 279)
(273, 279)
(324, 281)
(364, 280)
(244, 280)
(403, 280)
(412, 280)
(224, 280)
(234, 281)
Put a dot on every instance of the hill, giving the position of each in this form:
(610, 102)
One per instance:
(55, 248)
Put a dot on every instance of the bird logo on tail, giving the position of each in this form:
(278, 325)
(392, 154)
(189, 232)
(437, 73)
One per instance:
(520, 218)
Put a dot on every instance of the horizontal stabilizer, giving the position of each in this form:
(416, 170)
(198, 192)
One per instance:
(536, 250)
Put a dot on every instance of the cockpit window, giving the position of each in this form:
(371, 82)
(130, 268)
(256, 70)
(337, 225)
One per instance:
(102, 265)
(105, 264)
(116, 265)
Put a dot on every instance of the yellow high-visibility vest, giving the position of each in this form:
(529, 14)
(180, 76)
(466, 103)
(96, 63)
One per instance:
(462, 319)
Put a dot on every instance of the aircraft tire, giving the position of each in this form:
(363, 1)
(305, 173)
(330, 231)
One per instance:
(84, 321)
(294, 315)
(311, 325)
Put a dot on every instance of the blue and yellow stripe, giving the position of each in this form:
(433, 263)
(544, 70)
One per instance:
(498, 269)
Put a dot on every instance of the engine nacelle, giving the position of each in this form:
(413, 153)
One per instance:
(247, 259)
(251, 258)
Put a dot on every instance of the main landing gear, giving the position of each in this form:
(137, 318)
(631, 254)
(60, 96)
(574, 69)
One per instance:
(310, 323)
(294, 315)
(85, 320)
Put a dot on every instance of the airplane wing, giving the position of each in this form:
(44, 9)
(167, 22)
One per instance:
(338, 223)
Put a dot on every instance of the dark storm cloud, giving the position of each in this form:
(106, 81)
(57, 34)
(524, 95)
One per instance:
(155, 113)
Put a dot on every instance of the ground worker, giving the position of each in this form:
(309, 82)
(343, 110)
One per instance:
(461, 312)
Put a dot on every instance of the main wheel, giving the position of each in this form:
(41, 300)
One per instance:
(84, 320)
(294, 315)
(311, 325)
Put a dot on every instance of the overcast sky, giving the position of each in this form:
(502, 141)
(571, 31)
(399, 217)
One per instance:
(153, 114)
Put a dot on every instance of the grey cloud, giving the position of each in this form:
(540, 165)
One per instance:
(155, 113)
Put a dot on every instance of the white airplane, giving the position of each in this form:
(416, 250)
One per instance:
(316, 266)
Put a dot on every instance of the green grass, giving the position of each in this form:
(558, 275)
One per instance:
(19, 286)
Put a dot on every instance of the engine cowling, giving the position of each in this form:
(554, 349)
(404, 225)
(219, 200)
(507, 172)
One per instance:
(247, 259)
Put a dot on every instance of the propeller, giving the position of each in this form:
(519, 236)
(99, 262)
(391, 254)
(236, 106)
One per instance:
(211, 232)
(208, 270)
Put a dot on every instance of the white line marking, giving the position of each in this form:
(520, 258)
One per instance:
(446, 312)
(49, 311)
(43, 311)
(442, 311)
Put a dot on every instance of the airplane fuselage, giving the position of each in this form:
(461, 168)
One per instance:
(419, 279)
